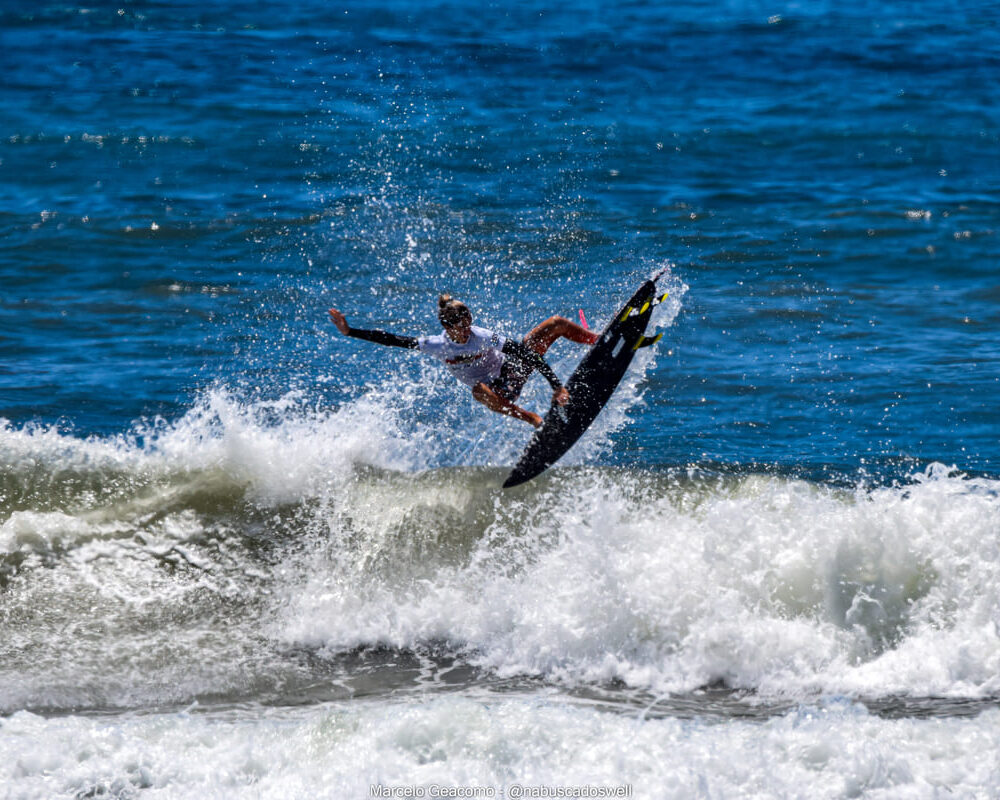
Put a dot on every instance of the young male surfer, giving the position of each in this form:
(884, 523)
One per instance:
(494, 366)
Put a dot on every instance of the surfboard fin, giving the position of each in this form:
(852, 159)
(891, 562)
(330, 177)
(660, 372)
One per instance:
(646, 341)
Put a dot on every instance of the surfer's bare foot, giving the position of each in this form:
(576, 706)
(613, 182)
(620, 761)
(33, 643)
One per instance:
(594, 338)
(533, 419)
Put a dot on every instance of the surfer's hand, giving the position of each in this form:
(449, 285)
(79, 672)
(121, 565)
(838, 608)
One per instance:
(340, 321)
(560, 396)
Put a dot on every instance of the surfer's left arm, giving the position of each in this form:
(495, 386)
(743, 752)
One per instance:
(532, 359)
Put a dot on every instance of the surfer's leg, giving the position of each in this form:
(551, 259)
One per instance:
(494, 402)
(543, 335)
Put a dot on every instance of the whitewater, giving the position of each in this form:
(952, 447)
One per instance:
(193, 607)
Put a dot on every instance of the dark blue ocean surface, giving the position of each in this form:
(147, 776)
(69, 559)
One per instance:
(186, 187)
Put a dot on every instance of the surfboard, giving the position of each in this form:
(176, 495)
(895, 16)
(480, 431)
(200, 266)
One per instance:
(591, 385)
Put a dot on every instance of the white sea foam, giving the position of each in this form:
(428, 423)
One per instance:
(281, 451)
(287, 451)
(447, 743)
(780, 586)
(763, 583)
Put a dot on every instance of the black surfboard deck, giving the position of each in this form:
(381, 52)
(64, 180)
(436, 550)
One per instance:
(590, 386)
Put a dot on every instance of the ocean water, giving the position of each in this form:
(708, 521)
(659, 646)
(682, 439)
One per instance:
(242, 556)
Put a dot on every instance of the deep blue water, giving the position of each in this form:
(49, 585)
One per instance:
(186, 187)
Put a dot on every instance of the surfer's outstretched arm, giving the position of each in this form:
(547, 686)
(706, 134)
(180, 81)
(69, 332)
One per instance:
(376, 336)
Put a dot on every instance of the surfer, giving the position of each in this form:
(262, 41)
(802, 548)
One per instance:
(495, 367)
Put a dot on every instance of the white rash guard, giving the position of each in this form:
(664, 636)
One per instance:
(477, 361)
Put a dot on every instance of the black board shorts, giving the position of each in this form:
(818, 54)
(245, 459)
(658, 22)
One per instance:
(514, 373)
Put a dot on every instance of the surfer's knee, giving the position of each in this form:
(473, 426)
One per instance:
(548, 325)
(545, 333)
(562, 327)
(485, 395)
(494, 402)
